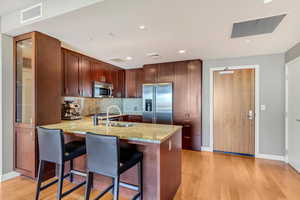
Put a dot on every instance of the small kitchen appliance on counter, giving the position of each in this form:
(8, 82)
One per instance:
(70, 111)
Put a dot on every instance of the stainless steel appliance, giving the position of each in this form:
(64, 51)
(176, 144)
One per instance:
(101, 89)
(158, 103)
(70, 111)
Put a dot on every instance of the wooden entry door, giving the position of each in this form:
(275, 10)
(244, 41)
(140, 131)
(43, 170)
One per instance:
(234, 111)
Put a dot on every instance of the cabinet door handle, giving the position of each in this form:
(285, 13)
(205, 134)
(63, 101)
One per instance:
(187, 137)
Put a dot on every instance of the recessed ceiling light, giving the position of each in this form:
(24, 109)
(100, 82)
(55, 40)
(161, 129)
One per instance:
(128, 58)
(142, 27)
(182, 51)
(267, 1)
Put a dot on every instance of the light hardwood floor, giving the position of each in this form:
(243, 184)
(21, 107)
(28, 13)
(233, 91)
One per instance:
(205, 176)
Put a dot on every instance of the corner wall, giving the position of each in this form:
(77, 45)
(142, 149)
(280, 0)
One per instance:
(6, 106)
(7, 103)
(272, 90)
(293, 53)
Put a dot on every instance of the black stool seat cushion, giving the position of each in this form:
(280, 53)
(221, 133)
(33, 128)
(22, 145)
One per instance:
(129, 158)
(74, 149)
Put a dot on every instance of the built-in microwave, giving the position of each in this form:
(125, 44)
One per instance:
(102, 90)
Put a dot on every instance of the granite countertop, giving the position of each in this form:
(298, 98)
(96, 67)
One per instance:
(142, 132)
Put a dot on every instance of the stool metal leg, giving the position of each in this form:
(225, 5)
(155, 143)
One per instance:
(116, 187)
(89, 184)
(39, 179)
(60, 181)
(140, 177)
(71, 168)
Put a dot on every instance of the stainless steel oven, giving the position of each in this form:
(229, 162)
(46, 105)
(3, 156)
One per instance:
(102, 90)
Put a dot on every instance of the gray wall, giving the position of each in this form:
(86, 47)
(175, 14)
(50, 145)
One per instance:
(272, 86)
(6, 104)
(293, 53)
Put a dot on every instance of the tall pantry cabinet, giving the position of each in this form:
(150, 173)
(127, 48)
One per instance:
(186, 77)
(37, 94)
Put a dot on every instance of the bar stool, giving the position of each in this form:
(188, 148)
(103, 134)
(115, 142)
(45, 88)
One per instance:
(105, 157)
(52, 148)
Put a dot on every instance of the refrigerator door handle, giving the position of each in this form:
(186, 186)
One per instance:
(154, 104)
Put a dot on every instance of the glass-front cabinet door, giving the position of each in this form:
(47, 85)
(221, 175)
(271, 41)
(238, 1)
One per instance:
(24, 82)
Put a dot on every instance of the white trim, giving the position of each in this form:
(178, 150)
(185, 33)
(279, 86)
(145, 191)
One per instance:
(293, 166)
(286, 111)
(257, 109)
(286, 114)
(8, 176)
(206, 148)
(270, 157)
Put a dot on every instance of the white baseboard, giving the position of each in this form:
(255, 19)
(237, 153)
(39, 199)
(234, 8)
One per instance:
(270, 157)
(8, 176)
(206, 148)
(294, 166)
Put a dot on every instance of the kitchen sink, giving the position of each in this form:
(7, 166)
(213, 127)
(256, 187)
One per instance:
(121, 124)
(116, 124)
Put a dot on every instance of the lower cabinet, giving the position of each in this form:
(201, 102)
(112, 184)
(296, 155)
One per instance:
(25, 148)
(132, 118)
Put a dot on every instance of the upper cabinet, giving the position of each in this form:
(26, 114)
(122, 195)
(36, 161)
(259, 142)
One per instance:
(118, 81)
(165, 72)
(159, 73)
(134, 81)
(150, 73)
(71, 63)
(81, 71)
(85, 77)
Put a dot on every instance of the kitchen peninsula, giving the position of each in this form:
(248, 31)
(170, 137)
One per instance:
(161, 145)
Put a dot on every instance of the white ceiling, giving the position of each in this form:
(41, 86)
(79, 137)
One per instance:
(201, 27)
(7, 6)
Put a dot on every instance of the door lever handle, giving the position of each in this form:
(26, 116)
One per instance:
(250, 114)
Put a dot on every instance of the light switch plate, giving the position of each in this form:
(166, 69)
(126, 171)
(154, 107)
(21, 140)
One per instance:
(263, 107)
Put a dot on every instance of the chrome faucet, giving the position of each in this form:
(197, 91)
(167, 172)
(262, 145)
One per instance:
(107, 113)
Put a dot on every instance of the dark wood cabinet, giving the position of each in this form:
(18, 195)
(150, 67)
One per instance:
(187, 101)
(133, 79)
(81, 71)
(71, 73)
(85, 77)
(25, 155)
(186, 77)
(37, 94)
(118, 81)
(150, 73)
(132, 118)
(98, 71)
(165, 73)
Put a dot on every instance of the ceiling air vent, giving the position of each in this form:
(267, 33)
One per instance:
(32, 13)
(118, 60)
(256, 27)
(153, 55)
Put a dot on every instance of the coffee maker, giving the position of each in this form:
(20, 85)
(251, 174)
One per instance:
(70, 111)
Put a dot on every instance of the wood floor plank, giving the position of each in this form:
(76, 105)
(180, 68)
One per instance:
(205, 176)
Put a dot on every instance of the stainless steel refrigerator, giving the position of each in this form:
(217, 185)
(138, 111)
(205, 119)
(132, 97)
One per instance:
(158, 103)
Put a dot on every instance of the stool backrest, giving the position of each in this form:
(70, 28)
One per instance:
(51, 145)
(103, 154)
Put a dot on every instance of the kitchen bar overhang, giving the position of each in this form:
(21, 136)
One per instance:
(160, 144)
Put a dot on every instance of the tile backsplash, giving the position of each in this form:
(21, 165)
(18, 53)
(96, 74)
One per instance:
(89, 106)
(132, 106)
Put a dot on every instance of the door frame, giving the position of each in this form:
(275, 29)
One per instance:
(257, 110)
(286, 109)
